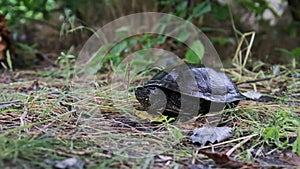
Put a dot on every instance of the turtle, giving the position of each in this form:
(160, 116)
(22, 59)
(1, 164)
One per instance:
(189, 90)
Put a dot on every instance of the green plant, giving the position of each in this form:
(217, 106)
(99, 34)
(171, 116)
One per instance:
(182, 9)
(23, 10)
(296, 144)
(195, 53)
(278, 131)
(294, 54)
(185, 10)
(258, 7)
(9, 61)
(175, 135)
(70, 23)
(117, 52)
(66, 62)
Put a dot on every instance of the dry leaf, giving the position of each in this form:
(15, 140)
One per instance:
(6, 42)
(67, 163)
(290, 158)
(204, 135)
(224, 161)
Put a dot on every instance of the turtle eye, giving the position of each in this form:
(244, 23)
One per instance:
(145, 91)
(142, 92)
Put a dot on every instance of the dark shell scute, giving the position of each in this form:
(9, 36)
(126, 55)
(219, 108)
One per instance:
(197, 81)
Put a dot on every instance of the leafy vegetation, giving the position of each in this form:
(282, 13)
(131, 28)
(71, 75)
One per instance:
(294, 54)
(48, 112)
(21, 11)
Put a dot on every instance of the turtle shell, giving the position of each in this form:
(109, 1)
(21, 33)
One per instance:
(197, 81)
(187, 90)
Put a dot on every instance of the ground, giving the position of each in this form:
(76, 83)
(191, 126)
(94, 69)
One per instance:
(44, 118)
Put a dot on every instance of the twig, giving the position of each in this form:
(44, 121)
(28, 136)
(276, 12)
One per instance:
(249, 48)
(9, 104)
(254, 81)
(226, 142)
(239, 145)
(23, 116)
(46, 58)
(261, 79)
(194, 156)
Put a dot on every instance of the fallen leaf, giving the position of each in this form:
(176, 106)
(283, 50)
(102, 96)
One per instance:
(257, 96)
(164, 158)
(67, 163)
(204, 135)
(224, 161)
(198, 166)
(290, 158)
(6, 42)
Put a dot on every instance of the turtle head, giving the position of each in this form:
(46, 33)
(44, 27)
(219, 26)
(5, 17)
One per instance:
(151, 98)
(142, 94)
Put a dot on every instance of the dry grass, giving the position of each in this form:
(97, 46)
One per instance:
(60, 120)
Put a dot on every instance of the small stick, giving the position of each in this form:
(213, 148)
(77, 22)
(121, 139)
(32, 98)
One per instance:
(254, 81)
(239, 145)
(226, 142)
(261, 79)
(9, 104)
(23, 116)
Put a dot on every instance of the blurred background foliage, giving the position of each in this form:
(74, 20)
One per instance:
(54, 26)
